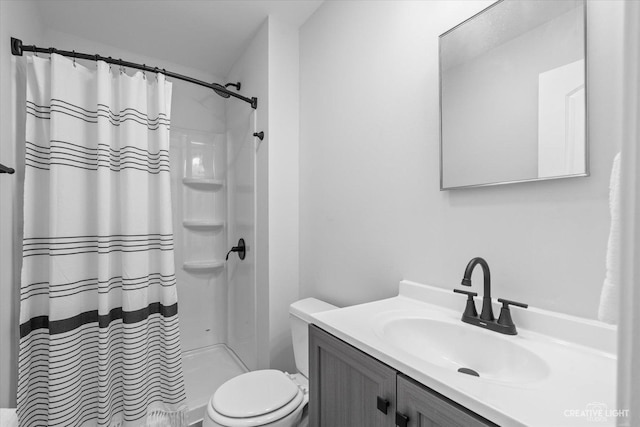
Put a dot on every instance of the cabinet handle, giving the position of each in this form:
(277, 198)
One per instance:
(401, 420)
(382, 404)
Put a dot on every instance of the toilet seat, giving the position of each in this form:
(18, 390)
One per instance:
(266, 396)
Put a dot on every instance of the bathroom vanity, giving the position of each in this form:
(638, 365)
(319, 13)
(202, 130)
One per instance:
(411, 361)
(351, 388)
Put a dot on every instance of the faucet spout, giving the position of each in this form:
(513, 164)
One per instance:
(487, 309)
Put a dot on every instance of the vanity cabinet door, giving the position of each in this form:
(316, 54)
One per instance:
(347, 388)
(425, 408)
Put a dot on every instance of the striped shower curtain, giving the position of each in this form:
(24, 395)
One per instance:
(99, 338)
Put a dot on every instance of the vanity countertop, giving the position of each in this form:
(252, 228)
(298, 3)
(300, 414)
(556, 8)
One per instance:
(576, 389)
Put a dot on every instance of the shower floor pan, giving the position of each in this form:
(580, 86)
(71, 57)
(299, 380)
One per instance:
(206, 369)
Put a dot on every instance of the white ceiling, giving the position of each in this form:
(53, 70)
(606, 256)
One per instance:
(208, 35)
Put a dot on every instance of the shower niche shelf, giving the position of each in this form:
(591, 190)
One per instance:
(203, 266)
(202, 224)
(203, 183)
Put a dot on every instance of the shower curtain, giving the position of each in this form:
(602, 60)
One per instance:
(99, 338)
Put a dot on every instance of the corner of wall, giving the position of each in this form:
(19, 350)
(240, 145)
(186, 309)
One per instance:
(252, 69)
(283, 187)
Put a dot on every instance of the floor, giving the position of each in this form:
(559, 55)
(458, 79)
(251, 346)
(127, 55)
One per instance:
(205, 370)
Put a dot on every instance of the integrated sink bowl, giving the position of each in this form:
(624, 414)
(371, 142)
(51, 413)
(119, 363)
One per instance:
(454, 346)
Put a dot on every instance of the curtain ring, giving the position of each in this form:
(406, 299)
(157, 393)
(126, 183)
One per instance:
(74, 59)
(157, 71)
(34, 51)
(52, 51)
(144, 71)
(121, 67)
(110, 59)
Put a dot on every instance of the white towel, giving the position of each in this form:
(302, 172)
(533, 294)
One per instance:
(609, 304)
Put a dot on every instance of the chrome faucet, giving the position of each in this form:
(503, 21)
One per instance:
(504, 324)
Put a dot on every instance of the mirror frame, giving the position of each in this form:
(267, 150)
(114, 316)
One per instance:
(586, 107)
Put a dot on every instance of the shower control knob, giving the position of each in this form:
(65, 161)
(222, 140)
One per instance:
(241, 249)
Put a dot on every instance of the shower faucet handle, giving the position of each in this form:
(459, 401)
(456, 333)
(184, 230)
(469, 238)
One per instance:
(241, 249)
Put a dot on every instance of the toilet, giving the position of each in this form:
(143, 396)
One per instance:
(269, 397)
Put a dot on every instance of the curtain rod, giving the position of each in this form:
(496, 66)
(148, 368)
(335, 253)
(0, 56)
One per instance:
(17, 48)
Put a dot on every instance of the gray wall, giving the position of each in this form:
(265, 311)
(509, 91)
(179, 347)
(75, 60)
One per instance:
(371, 212)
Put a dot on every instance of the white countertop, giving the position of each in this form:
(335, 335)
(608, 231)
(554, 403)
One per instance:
(579, 389)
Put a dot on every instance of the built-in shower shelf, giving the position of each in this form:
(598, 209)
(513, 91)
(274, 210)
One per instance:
(203, 184)
(202, 224)
(203, 266)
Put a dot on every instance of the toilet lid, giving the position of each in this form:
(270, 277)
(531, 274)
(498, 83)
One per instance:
(254, 393)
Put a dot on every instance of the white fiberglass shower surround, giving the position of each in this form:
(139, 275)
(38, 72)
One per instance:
(213, 190)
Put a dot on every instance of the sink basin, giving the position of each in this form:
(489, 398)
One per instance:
(454, 346)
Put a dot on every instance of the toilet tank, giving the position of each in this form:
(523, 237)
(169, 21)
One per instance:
(300, 317)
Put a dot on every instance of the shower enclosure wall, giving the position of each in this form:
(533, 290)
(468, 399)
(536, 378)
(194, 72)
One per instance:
(213, 169)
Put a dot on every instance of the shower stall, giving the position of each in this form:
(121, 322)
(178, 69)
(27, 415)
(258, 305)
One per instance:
(213, 158)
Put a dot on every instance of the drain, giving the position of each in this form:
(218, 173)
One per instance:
(468, 372)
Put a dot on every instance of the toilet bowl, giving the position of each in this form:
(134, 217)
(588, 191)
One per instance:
(269, 397)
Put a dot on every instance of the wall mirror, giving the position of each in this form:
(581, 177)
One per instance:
(513, 95)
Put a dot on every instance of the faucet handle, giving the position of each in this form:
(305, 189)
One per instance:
(505, 314)
(470, 309)
(506, 303)
(467, 293)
